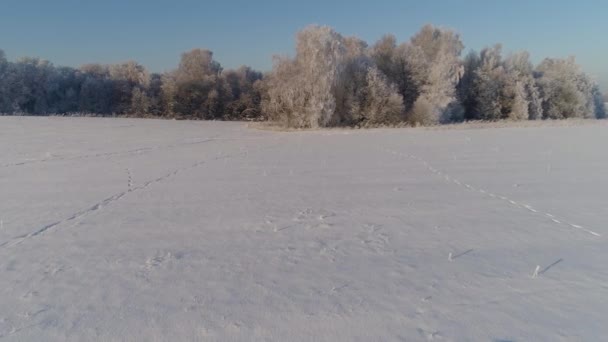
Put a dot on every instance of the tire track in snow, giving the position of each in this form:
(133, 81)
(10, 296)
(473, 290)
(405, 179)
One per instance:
(22, 238)
(484, 192)
(141, 150)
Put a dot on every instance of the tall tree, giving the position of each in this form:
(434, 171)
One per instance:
(301, 91)
(565, 89)
(441, 49)
(489, 85)
(129, 80)
(4, 96)
(197, 92)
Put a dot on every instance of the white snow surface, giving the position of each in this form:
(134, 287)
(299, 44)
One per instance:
(149, 230)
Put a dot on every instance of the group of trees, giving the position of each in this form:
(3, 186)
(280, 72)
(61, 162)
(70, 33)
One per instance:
(336, 80)
(201, 89)
(198, 89)
(331, 81)
(495, 88)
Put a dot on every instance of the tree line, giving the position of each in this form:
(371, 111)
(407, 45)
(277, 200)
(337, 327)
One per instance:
(198, 89)
(331, 81)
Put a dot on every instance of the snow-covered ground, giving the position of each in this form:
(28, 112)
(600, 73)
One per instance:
(145, 230)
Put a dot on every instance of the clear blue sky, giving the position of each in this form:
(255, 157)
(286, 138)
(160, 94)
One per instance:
(155, 32)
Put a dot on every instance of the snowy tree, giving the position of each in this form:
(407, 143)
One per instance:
(600, 103)
(384, 55)
(198, 92)
(332, 80)
(441, 49)
(466, 89)
(489, 85)
(520, 105)
(383, 104)
(425, 70)
(302, 91)
(494, 89)
(535, 101)
(404, 65)
(366, 97)
(3, 62)
(155, 95)
(4, 96)
(351, 88)
(64, 90)
(282, 100)
(522, 88)
(96, 89)
(140, 103)
(197, 65)
(126, 77)
(565, 89)
(242, 99)
(28, 82)
(168, 93)
(320, 53)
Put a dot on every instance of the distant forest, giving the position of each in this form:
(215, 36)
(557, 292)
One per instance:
(331, 81)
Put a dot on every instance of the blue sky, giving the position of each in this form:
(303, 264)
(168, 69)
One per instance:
(156, 32)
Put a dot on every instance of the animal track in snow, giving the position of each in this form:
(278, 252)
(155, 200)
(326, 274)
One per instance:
(129, 180)
(78, 215)
(159, 260)
(307, 218)
(142, 150)
(492, 195)
(374, 239)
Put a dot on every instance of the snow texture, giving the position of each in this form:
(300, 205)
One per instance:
(146, 230)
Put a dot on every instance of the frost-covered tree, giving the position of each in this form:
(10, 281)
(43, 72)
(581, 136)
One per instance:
(140, 103)
(282, 100)
(380, 101)
(301, 91)
(125, 79)
(489, 85)
(154, 94)
(425, 70)
(169, 93)
(28, 82)
(365, 95)
(523, 95)
(441, 49)
(600, 103)
(198, 90)
(320, 54)
(404, 66)
(196, 65)
(466, 89)
(242, 100)
(4, 96)
(566, 90)
(331, 81)
(384, 56)
(96, 89)
(63, 91)
(494, 88)
(519, 104)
